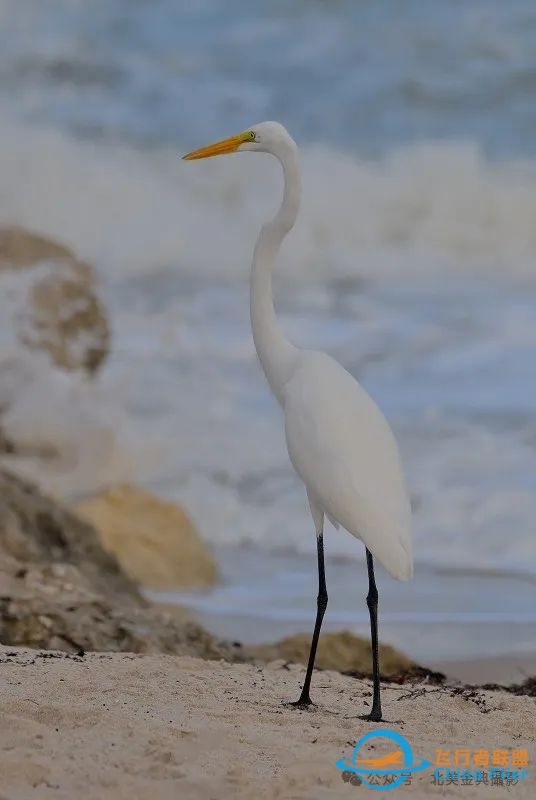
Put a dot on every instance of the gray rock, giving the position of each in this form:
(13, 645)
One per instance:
(59, 589)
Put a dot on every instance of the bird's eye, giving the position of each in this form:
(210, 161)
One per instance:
(252, 136)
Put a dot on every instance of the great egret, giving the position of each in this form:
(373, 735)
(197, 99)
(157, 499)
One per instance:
(338, 441)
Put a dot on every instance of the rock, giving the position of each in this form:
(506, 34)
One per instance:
(154, 540)
(342, 651)
(54, 607)
(59, 589)
(37, 530)
(61, 312)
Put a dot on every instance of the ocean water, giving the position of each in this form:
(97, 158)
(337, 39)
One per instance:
(413, 262)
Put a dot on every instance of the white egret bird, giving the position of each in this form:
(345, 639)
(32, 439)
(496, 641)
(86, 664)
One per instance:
(339, 442)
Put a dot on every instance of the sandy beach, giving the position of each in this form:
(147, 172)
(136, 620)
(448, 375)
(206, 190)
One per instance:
(112, 726)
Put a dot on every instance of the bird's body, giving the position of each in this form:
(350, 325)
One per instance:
(339, 442)
(342, 448)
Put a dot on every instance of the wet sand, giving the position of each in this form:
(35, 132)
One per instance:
(501, 669)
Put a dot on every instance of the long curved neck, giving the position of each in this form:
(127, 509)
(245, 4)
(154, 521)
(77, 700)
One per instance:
(275, 352)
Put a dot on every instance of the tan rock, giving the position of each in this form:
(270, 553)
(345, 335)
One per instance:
(64, 316)
(154, 540)
(342, 651)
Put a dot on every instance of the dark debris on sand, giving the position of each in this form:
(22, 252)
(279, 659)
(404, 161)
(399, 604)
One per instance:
(414, 674)
(417, 674)
(525, 689)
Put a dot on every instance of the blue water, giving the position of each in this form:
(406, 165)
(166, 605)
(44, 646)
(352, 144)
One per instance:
(413, 262)
(363, 76)
(441, 616)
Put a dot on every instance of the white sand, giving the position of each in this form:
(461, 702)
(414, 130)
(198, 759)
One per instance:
(158, 727)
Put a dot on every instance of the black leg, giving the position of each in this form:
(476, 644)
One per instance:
(372, 603)
(322, 602)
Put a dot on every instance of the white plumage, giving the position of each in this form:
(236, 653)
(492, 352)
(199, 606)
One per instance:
(344, 451)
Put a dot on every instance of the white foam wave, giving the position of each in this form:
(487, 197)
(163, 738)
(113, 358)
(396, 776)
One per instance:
(422, 209)
(71, 435)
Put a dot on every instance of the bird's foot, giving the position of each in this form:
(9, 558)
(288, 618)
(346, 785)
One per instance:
(374, 716)
(304, 703)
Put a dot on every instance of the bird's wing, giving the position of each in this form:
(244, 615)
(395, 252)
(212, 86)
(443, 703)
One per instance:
(344, 450)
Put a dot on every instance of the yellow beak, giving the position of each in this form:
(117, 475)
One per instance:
(230, 145)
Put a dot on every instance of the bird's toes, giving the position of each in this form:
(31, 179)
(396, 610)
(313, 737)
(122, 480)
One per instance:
(304, 703)
(372, 717)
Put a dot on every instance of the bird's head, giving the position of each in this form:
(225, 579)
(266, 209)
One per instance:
(265, 137)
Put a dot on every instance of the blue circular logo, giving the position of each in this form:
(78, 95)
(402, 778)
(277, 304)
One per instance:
(399, 762)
